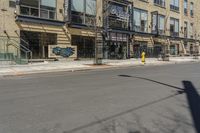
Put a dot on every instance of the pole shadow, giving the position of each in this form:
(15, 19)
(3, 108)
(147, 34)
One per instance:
(193, 97)
(193, 102)
(99, 121)
(190, 91)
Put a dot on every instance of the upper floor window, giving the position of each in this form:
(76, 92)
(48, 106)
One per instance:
(174, 5)
(158, 24)
(144, 0)
(83, 11)
(191, 9)
(38, 8)
(119, 15)
(12, 3)
(140, 20)
(47, 9)
(191, 30)
(160, 2)
(174, 27)
(185, 30)
(185, 7)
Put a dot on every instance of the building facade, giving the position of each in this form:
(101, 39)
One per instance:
(173, 25)
(67, 28)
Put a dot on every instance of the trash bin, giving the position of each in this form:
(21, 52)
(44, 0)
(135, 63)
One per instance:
(165, 57)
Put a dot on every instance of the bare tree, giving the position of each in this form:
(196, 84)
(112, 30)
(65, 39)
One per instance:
(94, 26)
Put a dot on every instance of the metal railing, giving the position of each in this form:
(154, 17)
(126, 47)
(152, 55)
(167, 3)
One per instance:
(12, 51)
(24, 48)
(174, 34)
(140, 28)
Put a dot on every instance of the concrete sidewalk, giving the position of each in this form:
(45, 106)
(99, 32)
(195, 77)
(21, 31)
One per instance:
(84, 65)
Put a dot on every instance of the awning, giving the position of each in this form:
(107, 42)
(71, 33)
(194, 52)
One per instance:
(21, 18)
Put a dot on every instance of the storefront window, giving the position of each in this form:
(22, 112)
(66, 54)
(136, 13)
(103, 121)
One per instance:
(85, 46)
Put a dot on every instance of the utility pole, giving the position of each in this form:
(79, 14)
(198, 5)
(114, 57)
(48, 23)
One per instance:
(98, 38)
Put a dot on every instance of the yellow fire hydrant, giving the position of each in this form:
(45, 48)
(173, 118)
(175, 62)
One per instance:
(143, 57)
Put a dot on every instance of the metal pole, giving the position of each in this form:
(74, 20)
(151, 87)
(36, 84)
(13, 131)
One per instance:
(97, 60)
(95, 28)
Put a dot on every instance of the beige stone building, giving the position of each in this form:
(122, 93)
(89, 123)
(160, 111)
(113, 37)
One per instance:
(176, 22)
(40, 29)
(49, 29)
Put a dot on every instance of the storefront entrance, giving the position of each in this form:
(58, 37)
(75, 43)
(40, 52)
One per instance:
(85, 46)
(116, 50)
(158, 49)
(172, 50)
(116, 47)
(139, 47)
(38, 42)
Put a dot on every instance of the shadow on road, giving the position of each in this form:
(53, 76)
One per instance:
(194, 103)
(99, 121)
(192, 97)
(190, 91)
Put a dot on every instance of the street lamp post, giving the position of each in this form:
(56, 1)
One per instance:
(196, 51)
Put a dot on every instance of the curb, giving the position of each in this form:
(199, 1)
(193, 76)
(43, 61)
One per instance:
(20, 73)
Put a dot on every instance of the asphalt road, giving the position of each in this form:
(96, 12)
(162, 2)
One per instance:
(154, 99)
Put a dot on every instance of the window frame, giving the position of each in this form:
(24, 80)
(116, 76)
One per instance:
(185, 7)
(83, 16)
(158, 24)
(38, 10)
(174, 33)
(185, 29)
(161, 3)
(140, 11)
(191, 9)
(12, 3)
(173, 6)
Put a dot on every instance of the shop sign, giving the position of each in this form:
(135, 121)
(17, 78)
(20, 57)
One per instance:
(66, 10)
(113, 36)
(125, 38)
(119, 12)
(118, 37)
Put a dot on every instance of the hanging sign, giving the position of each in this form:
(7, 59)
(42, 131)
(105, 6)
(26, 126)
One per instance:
(66, 10)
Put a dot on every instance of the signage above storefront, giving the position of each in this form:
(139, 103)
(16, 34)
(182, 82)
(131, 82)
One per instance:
(120, 37)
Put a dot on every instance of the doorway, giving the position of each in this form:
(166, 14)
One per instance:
(38, 42)
(117, 50)
(85, 46)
